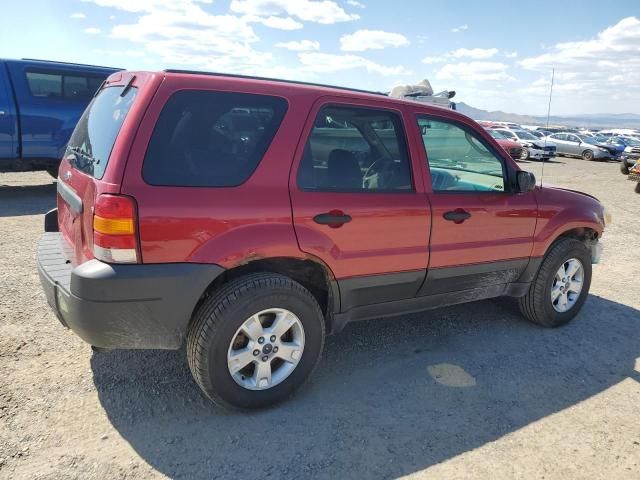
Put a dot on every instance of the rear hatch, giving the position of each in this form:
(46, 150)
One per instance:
(95, 156)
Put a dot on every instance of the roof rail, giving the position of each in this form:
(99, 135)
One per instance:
(68, 63)
(295, 82)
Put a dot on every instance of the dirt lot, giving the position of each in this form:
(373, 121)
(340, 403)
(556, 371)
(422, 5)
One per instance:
(466, 392)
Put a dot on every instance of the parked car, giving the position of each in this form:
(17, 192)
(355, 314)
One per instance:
(532, 146)
(513, 148)
(40, 103)
(537, 133)
(613, 144)
(581, 146)
(631, 153)
(226, 212)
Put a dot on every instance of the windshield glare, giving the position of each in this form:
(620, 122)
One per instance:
(525, 135)
(96, 132)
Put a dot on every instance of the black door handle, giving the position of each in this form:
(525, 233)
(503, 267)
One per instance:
(457, 216)
(333, 219)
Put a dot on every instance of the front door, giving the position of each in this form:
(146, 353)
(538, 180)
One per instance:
(356, 205)
(482, 232)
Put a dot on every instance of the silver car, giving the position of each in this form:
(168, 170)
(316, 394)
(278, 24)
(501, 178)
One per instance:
(579, 145)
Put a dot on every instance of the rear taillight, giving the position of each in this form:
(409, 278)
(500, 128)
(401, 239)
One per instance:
(115, 232)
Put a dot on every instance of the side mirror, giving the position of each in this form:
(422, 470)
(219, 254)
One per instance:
(526, 181)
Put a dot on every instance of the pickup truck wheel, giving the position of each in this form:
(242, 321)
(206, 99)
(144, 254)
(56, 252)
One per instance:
(255, 341)
(561, 286)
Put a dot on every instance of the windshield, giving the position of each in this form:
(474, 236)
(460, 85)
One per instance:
(589, 140)
(497, 134)
(93, 138)
(632, 141)
(525, 135)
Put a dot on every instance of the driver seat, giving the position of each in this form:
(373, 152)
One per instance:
(343, 170)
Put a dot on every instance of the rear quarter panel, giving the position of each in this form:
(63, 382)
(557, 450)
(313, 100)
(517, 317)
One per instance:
(227, 226)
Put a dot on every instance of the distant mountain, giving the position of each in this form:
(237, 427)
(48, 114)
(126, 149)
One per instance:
(596, 120)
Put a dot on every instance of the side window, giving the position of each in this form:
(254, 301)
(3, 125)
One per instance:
(458, 160)
(355, 149)
(59, 85)
(45, 85)
(573, 138)
(211, 139)
(509, 134)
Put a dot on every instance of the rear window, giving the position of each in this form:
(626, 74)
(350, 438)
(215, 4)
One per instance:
(211, 139)
(96, 132)
(62, 85)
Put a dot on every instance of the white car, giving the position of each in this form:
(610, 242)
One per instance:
(532, 146)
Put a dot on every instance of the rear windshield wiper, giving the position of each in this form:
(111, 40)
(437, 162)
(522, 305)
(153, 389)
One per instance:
(88, 159)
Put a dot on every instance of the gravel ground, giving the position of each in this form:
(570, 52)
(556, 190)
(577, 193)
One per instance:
(472, 391)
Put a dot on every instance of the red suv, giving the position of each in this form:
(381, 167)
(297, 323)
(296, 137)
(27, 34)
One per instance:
(249, 217)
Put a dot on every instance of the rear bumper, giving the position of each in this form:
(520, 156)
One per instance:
(122, 306)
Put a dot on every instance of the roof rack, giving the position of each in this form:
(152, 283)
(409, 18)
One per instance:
(68, 63)
(295, 82)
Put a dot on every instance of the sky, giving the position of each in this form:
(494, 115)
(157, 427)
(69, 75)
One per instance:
(497, 55)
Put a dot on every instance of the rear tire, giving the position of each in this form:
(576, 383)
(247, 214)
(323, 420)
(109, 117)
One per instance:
(587, 155)
(537, 305)
(214, 333)
(637, 189)
(624, 168)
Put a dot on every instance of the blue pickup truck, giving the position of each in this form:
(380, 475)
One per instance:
(40, 104)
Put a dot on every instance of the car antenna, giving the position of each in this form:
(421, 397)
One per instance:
(544, 147)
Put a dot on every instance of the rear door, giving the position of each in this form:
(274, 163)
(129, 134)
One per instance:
(356, 204)
(560, 140)
(8, 119)
(482, 232)
(573, 145)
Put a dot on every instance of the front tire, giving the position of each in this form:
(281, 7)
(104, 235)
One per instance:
(265, 313)
(561, 285)
(525, 154)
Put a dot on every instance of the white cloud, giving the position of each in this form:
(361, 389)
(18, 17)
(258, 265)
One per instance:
(362, 40)
(460, 28)
(300, 46)
(513, 54)
(432, 60)
(474, 71)
(330, 63)
(182, 33)
(119, 53)
(475, 53)
(355, 3)
(92, 30)
(280, 23)
(78, 15)
(592, 67)
(318, 11)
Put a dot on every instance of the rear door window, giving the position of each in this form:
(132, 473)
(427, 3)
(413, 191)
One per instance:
(356, 150)
(211, 139)
(93, 138)
(65, 86)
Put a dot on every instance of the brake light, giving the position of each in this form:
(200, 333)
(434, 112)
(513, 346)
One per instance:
(115, 236)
